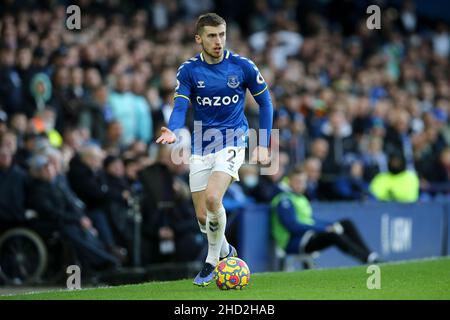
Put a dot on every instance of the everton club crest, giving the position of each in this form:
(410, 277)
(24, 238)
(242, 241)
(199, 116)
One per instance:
(233, 82)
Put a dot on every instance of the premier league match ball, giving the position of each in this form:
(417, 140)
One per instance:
(232, 273)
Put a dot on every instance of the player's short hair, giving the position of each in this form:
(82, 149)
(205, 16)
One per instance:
(208, 19)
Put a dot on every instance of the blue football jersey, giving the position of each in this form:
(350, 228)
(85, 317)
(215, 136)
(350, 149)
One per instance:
(217, 94)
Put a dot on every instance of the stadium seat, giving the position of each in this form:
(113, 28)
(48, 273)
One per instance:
(293, 262)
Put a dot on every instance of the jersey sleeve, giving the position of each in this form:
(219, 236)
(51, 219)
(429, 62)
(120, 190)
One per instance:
(182, 99)
(183, 88)
(259, 89)
(253, 78)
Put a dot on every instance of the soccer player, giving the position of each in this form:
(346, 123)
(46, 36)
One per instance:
(215, 83)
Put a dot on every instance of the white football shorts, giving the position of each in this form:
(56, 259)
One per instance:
(227, 160)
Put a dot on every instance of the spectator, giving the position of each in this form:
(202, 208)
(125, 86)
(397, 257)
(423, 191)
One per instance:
(41, 90)
(398, 184)
(441, 41)
(120, 197)
(314, 184)
(55, 158)
(87, 179)
(267, 185)
(436, 179)
(131, 111)
(249, 181)
(144, 132)
(25, 152)
(338, 133)
(296, 231)
(18, 125)
(9, 140)
(373, 157)
(398, 138)
(11, 87)
(44, 123)
(13, 184)
(112, 142)
(320, 149)
(57, 212)
(351, 185)
(72, 143)
(170, 230)
(63, 101)
(408, 17)
(97, 114)
(3, 122)
(25, 70)
(132, 168)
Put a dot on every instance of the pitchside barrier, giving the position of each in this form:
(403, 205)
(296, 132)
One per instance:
(395, 231)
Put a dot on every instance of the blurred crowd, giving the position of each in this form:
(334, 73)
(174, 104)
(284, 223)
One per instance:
(80, 110)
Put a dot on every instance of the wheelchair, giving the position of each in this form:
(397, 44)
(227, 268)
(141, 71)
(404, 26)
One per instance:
(28, 257)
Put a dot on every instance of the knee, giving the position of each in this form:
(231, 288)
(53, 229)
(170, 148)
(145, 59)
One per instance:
(334, 237)
(201, 216)
(213, 201)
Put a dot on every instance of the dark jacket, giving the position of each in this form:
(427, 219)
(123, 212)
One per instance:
(161, 205)
(52, 203)
(88, 185)
(13, 184)
(95, 117)
(116, 187)
(11, 89)
(264, 191)
(338, 148)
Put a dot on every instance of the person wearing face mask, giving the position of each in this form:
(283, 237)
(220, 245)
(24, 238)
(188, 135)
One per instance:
(249, 179)
(398, 184)
(262, 188)
(295, 230)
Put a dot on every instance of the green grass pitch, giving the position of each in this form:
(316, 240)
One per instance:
(422, 279)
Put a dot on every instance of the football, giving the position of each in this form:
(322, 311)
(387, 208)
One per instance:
(232, 273)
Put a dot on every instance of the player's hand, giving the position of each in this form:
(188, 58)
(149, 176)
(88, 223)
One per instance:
(167, 136)
(261, 155)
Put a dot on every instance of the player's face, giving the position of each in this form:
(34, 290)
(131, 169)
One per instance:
(212, 40)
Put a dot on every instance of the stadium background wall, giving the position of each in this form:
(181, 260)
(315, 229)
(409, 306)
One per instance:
(396, 231)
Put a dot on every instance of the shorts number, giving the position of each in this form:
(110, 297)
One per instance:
(231, 158)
